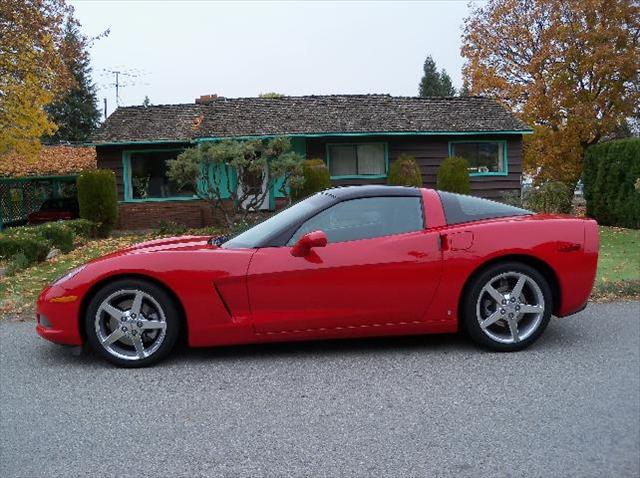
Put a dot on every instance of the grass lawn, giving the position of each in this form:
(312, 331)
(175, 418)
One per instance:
(618, 264)
(618, 269)
(19, 292)
(619, 254)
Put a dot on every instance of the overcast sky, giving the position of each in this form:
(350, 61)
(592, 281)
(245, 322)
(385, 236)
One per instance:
(176, 51)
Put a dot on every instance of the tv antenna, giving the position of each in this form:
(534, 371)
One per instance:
(122, 77)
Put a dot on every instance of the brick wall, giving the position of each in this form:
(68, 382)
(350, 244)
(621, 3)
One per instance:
(147, 215)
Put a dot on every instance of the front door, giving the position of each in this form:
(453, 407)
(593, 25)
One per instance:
(381, 267)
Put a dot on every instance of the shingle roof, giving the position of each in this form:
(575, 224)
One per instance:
(300, 115)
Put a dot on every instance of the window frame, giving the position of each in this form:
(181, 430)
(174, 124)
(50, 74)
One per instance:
(321, 211)
(355, 145)
(505, 155)
(126, 176)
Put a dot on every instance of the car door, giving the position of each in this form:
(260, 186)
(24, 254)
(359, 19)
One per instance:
(380, 268)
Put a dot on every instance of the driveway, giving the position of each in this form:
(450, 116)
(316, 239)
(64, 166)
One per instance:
(418, 406)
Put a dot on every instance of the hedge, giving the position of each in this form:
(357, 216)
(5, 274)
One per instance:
(98, 199)
(316, 178)
(82, 227)
(58, 235)
(34, 248)
(35, 242)
(453, 176)
(611, 172)
(405, 171)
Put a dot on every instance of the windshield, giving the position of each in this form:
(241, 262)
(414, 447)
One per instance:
(275, 224)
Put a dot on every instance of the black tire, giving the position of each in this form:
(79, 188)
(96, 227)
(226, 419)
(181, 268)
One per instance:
(491, 336)
(155, 297)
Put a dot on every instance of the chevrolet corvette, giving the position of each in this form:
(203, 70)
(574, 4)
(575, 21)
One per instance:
(356, 261)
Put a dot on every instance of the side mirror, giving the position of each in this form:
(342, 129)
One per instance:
(307, 242)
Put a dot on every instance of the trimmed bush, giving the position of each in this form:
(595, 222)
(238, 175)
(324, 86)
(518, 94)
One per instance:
(34, 248)
(98, 199)
(316, 178)
(17, 263)
(611, 171)
(453, 176)
(57, 234)
(405, 171)
(552, 197)
(81, 227)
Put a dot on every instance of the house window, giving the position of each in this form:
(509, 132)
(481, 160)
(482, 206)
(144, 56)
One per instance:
(146, 176)
(357, 160)
(484, 157)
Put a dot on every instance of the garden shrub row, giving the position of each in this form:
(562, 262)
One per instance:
(24, 246)
(612, 182)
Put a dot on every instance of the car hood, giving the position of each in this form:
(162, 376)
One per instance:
(183, 243)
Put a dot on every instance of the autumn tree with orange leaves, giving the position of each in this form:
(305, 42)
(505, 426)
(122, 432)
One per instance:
(570, 69)
(32, 70)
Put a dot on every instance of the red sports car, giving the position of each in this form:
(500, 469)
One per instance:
(346, 262)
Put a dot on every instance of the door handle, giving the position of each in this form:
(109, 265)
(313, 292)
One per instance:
(443, 242)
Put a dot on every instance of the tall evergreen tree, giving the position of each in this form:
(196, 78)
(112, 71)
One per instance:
(435, 83)
(446, 86)
(76, 114)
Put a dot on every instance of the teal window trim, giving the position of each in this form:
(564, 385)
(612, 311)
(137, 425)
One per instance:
(505, 156)
(359, 176)
(126, 177)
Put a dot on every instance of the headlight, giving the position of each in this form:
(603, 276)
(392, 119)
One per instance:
(68, 275)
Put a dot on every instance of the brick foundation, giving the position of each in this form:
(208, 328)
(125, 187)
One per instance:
(147, 215)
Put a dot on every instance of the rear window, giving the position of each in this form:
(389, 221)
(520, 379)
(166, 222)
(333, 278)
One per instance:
(459, 208)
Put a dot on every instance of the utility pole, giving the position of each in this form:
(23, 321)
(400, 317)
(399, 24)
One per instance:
(105, 109)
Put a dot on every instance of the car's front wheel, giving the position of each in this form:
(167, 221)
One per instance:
(132, 323)
(507, 307)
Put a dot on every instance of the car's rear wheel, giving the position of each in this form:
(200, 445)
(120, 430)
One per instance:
(507, 307)
(132, 323)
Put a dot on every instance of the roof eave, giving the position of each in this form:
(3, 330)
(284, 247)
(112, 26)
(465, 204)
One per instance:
(370, 133)
(312, 135)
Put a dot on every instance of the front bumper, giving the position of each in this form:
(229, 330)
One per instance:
(58, 320)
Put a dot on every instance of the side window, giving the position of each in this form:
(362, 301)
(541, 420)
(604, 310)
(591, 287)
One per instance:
(459, 208)
(365, 218)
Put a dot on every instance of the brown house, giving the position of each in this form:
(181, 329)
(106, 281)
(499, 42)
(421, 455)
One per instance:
(358, 136)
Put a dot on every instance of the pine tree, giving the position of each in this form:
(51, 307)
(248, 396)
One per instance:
(435, 83)
(76, 114)
(446, 86)
(430, 83)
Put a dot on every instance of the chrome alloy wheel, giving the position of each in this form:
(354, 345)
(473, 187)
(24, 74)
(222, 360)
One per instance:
(130, 324)
(510, 307)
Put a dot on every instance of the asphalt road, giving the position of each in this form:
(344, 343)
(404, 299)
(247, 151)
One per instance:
(420, 406)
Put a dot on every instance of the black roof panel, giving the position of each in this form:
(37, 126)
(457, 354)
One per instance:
(354, 192)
